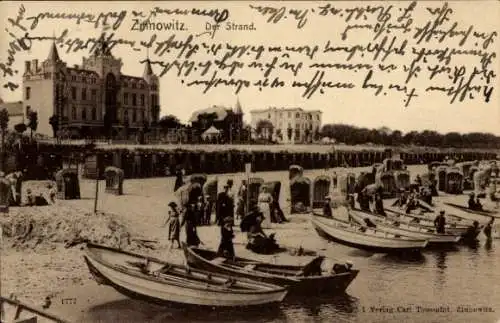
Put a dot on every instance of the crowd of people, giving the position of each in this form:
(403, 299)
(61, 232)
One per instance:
(254, 217)
(417, 198)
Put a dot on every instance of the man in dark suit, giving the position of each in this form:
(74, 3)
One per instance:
(223, 205)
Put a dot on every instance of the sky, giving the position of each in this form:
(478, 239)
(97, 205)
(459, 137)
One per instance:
(350, 106)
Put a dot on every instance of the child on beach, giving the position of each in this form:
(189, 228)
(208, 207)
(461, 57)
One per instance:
(174, 225)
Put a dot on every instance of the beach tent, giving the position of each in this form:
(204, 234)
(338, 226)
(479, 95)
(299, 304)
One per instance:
(210, 133)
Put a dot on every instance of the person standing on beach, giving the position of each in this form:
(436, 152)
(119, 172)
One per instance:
(265, 199)
(178, 179)
(207, 212)
(174, 225)
(189, 222)
(200, 210)
(222, 206)
(230, 194)
(327, 208)
(242, 200)
(226, 247)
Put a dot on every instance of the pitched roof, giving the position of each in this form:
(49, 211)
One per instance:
(53, 54)
(237, 108)
(13, 108)
(211, 131)
(147, 69)
(220, 111)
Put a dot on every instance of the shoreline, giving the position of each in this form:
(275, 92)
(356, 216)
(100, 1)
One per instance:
(34, 270)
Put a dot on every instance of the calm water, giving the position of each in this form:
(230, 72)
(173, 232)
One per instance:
(466, 276)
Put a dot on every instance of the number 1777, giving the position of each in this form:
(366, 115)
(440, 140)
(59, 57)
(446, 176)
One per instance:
(67, 301)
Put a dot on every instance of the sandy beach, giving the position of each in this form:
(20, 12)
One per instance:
(36, 262)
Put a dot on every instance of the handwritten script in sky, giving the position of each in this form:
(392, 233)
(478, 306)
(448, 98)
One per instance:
(382, 49)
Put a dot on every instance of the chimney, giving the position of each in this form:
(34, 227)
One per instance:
(27, 67)
(34, 65)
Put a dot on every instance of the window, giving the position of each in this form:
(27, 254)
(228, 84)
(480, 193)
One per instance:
(84, 94)
(317, 117)
(94, 114)
(93, 94)
(153, 99)
(134, 99)
(134, 85)
(297, 115)
(289, 114)
(125, 115)
(269, 116)
(84, 79)
(142, 99)
(134, 115)
(142, 86)
(73, 113)
(73, 93)
(143, 115)
(28, 93)
(125, 84)
(46, 75)
(28, 109)
(125, 98)
(84, 114)
(73, 77)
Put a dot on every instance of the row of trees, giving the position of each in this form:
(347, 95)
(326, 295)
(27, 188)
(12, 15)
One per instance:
(352, 135)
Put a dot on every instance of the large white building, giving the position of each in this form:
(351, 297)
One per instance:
(289, 125)
(92, 99)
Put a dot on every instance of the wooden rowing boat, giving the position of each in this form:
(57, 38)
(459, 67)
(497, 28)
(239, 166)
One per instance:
(368, 239)
(428, 217)
(300, 280)
(451, 228)
(157, 281)
(484, 213)
(407, 229)
(14, 311)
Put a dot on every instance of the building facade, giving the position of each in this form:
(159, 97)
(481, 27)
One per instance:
(229, 121)
(289, 125)
(93, 99)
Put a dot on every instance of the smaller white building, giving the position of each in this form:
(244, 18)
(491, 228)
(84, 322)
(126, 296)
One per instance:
(290, 125)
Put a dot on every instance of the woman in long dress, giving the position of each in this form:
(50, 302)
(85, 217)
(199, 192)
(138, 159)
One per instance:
(189, 221)
(265, 199)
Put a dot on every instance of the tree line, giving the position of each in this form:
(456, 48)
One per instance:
(352, 135)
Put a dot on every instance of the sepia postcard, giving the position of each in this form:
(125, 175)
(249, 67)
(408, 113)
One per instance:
(249, 161)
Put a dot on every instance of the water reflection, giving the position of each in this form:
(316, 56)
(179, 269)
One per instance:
(129, 310)
(413, 258)
(441, 268)
(323, 306)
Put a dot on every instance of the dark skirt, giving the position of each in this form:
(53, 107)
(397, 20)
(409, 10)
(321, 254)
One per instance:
(192, 238)
(174, 229)
(226, 249)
